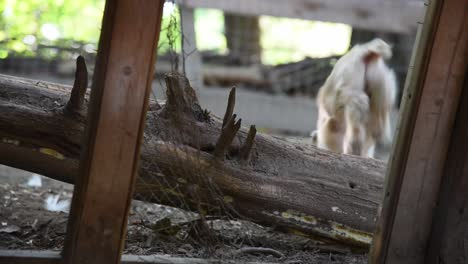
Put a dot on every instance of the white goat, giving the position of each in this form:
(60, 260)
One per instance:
(356, 100)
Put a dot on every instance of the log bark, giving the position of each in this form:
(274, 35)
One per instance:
(293, 187)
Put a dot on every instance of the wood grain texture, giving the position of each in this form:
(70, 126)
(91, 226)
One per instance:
(119, 99)
(449, 237)
(408, 113)
(292, 186)
(53, 257)
(416, 168)
(29, 257)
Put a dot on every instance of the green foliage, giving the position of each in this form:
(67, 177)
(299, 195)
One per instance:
(209, 25)
(26, 24)
(170, 36)
(305, 38)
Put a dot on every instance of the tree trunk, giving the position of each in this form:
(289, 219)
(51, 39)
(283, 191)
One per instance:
(188, 161)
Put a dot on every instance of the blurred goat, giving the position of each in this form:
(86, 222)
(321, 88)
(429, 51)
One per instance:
(356, 101)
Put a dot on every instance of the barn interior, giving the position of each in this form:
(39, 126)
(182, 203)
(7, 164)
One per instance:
(179, 132)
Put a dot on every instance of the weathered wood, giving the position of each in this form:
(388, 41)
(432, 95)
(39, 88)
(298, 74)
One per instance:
(449, 235)
(302, 77)
(295, 187)
(230, 106)
(54, 257)
(29, 257)
(429, 107)
(248, 144)
(250, 76)
(75, 104)
(393, 16)
(163, 259)
(119, 100)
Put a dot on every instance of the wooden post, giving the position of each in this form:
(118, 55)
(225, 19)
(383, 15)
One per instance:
(448, 243)
(449, 237)
(243, 37)
(119, 99)
(417, 165)
(192, 63)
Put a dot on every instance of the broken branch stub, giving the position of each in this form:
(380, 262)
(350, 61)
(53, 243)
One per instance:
(230, 106)
(294, 187)
(248, 144)
(228, 133)
(75, 104)
(180, 96)
(229, 128)
(182, 102)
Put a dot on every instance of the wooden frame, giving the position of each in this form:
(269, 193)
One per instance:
(397, 16)
(117, 114)
(53, 257)
(429, 106)
(419, 161)
(449, 232)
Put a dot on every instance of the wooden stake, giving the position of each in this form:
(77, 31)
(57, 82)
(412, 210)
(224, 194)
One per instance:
(117, 113)
(417, 165)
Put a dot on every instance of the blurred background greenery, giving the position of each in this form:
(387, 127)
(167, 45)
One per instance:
(28, 25)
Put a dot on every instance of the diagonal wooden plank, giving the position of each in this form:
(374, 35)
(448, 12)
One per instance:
(449, 235)
(118, 104)
(417, 165)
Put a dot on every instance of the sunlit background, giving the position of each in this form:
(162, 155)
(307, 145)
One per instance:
(277, 63)
(27, 24)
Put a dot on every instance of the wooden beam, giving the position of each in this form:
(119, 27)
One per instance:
(448, 243)
(164, 259)
(54, 257)
(429, 106)
(399, 16)
(118, 104)
(29, 257)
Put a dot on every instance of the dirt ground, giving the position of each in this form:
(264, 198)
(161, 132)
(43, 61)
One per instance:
(152, 229)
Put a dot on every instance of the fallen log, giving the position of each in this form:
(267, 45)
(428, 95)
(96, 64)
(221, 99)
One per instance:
(191, 160)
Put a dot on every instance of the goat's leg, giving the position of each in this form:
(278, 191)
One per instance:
(330, 135)
(355, 134)
(369, 148)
